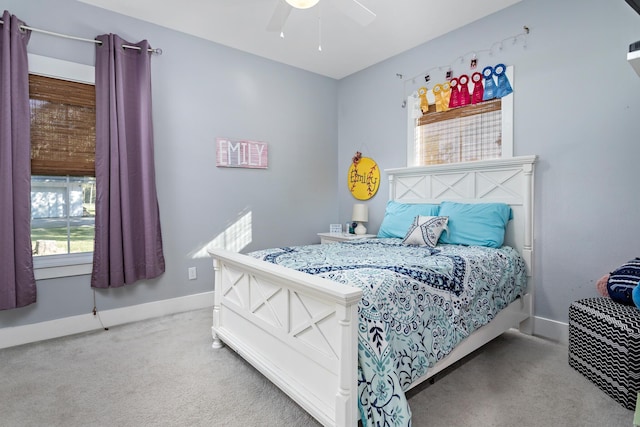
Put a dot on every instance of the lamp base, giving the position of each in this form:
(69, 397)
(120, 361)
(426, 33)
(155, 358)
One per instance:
(360, 229)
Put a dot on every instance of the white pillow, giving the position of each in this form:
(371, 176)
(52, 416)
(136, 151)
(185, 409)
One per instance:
(426, 230)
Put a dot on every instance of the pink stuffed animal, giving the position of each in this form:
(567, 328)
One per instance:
(601, 286)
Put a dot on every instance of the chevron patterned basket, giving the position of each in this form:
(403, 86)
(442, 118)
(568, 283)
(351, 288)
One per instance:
(604, 346)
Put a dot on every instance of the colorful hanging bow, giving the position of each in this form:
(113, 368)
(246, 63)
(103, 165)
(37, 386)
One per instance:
(442, 93)
(478, 89)
(504, 87)
(490, 88)
(465, 98)
(454, 100)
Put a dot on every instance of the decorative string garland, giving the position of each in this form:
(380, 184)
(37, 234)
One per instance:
(452, 87)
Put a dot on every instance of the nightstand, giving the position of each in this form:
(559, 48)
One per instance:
(342, 237)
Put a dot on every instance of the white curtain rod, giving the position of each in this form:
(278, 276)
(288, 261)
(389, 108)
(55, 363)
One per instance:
(51, 33)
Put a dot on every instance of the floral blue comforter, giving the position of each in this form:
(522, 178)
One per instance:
(418, 303)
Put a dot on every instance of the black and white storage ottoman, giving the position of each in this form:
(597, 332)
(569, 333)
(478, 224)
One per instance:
(604, 346)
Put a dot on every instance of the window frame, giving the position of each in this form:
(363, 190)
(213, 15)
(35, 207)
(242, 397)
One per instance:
(413, 104)
(74, 264)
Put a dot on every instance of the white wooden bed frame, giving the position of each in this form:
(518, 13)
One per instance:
(300, 330)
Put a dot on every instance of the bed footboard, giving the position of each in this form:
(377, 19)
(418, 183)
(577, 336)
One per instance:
(300, 331)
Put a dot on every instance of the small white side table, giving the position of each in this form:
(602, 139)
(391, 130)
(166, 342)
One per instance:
(342, 237)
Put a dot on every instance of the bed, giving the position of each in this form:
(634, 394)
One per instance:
(304, 331)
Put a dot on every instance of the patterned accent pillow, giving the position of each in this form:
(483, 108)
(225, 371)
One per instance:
(426, 230)
(623, 280)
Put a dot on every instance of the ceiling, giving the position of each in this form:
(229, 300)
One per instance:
(347, 46)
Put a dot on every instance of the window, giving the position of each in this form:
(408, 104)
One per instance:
(62, 104)
(62, 214)
(473, 132)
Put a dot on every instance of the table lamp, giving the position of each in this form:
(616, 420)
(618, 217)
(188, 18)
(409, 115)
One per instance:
(360, 215)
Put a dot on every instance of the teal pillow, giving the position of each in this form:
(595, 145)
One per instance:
(398, 217)
(475, 224)
(635, 294)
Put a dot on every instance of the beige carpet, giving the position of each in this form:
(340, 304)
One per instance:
(163, 372)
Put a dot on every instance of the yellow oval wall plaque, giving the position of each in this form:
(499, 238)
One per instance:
(364, 178)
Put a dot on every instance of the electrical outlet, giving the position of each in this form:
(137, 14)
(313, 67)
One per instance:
(193, 273)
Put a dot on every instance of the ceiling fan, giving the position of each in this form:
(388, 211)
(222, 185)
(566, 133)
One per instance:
(352, 8)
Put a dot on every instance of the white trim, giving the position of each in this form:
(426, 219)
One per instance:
(551, 330)
(412, 105)
(507, 117)
(18, 335)
(67, 265)
(60, 69)
(465, 166)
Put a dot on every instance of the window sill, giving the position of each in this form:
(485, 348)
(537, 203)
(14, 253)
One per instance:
(53, 266)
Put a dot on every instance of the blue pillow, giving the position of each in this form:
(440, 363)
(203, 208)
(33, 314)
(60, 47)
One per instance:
(398, 217)
(635, 294)
(477, 224)
(623, 281)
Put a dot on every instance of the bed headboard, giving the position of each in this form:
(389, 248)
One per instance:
(507, 180)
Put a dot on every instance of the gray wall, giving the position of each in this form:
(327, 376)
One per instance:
(202, 90)
(577, 106)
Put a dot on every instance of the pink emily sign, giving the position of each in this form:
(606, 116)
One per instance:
(241, 154)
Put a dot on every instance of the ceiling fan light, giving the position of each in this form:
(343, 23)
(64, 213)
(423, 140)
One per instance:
(302, 4)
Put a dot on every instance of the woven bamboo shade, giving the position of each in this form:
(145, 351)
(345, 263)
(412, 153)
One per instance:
(456, 113)
(63, 127)
(472, 132)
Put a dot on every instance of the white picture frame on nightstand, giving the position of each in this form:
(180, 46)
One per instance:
(335, 228)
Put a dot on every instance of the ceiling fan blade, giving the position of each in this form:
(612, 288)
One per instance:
(357, 11)
(279, 17)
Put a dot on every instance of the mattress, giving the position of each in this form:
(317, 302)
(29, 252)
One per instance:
(418, 303)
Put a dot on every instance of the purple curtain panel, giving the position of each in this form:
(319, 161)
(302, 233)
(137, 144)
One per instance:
(17, 283)
(128, 240)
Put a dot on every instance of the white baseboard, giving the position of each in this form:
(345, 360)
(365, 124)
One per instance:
(551, 329)
(18, 335)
